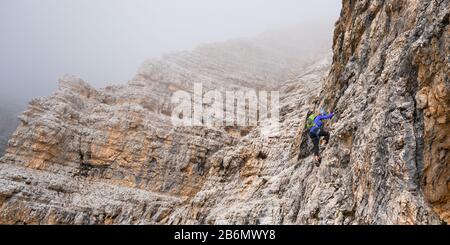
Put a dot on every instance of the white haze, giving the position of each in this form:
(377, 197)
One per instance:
(105, 41)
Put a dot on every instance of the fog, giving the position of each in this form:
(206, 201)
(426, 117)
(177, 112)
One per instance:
(105, 41)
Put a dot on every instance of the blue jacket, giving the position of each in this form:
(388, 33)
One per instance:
(318, 121)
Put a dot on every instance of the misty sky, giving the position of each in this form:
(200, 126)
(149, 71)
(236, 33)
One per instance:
(105, 41)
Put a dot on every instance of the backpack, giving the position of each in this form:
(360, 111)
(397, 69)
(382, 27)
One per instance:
(310, 121)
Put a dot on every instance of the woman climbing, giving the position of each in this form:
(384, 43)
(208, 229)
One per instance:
(317, 130)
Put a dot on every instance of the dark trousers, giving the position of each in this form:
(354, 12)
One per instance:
(315, 137)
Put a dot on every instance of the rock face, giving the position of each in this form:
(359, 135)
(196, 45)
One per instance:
(111, 156)
(389, 84)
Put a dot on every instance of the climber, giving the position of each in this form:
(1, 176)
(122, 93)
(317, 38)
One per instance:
(317, 130)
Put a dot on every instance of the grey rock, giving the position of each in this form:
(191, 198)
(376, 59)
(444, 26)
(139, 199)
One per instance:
(111, 156)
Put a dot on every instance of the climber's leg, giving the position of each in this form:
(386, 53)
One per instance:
(315, 139)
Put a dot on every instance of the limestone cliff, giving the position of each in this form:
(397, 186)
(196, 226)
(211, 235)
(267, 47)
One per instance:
(112, 155)
(87, 156)
(389, 84)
